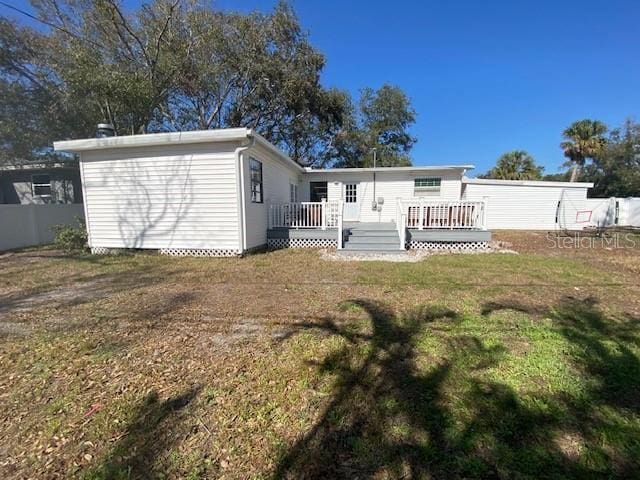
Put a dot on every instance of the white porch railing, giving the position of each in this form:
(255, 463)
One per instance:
(304, 215)
(320, 215)
(460, 215)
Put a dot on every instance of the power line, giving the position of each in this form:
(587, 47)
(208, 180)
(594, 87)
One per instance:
(51, 25)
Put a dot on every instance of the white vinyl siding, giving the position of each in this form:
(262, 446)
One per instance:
(522, 207)
(389, 186)
(278, 177)
(155, 197)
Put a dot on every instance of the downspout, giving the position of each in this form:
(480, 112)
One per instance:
(85, 206)
(242, 234)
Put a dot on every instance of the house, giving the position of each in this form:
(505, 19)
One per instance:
(228, 192)
(40, 183)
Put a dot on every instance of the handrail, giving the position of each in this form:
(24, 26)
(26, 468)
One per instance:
(455, 215)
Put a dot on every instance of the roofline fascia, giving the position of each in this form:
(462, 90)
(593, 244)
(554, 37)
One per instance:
(152, 139)
(390, 169)
(273, 149)
(529, 183)
(157, 139)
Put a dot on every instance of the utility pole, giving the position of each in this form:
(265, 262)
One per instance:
(374, 204)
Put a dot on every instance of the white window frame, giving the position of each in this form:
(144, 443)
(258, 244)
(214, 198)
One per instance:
(426, 190)
(256, 181)
(35, 185)
(293, 192)
(351, 193)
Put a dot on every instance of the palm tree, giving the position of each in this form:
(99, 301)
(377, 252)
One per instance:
(584, 139)
(515, 165)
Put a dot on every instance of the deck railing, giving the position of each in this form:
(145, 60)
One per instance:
(461, 215)
(321, 215)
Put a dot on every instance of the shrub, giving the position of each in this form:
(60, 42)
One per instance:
(71, 238)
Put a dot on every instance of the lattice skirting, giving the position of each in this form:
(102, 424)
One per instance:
(275, 243)
(199, 252)
(107, 251)
(176, 252)
(450, 246)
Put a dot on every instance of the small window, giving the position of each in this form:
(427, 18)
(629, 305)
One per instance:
(293, 193)
(426, 186)
(351, 193)
(41, 185)
(317, 191)
(256, 181)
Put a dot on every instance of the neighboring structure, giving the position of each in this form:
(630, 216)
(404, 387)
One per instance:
(529, 205)
(227, 192)
(40, 183)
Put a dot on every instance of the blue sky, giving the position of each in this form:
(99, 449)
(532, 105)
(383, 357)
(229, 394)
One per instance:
(487, 76)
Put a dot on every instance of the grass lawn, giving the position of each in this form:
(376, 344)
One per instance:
(283, 365)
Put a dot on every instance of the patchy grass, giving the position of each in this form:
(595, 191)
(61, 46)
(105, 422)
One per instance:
(282, 365)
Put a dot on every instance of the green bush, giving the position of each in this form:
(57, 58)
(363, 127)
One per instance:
(71, 238)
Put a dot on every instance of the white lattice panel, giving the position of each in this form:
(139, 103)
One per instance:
(199, 252)
(275, 243)
(106, 251)
(452, 246)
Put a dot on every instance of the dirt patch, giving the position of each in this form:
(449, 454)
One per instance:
(65, 295)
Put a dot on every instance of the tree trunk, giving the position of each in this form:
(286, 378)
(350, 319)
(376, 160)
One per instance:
(575, 171)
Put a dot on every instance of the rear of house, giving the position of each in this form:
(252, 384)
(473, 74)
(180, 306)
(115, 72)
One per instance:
(228, 192)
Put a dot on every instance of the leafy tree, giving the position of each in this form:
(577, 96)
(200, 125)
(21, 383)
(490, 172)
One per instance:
(381, 121)
(557, 177)
(33, 109)
(515, 165)
(615, 171)
(584, 140)
(169, 65)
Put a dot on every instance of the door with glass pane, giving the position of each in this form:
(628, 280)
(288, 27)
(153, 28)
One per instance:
(351, 196)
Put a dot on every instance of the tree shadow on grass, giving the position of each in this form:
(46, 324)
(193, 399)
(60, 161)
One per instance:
(148, 436)
(393, 416)
(602, 345)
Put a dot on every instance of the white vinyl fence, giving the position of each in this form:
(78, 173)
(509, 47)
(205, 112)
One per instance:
(609, 212)
(629, 212)
(28, 225)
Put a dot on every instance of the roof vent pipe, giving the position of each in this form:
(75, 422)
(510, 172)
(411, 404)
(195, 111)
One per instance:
(105, 130)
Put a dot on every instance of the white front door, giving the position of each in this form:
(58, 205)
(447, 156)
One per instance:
(351, 196)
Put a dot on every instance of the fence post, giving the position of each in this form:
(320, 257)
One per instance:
(421, 218)
(485, 203)
(323, 213)
(270, 222)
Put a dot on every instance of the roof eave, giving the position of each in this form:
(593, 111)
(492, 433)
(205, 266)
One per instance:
(273, 149)
(531, 183)
(152, 139)
(390, 169)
